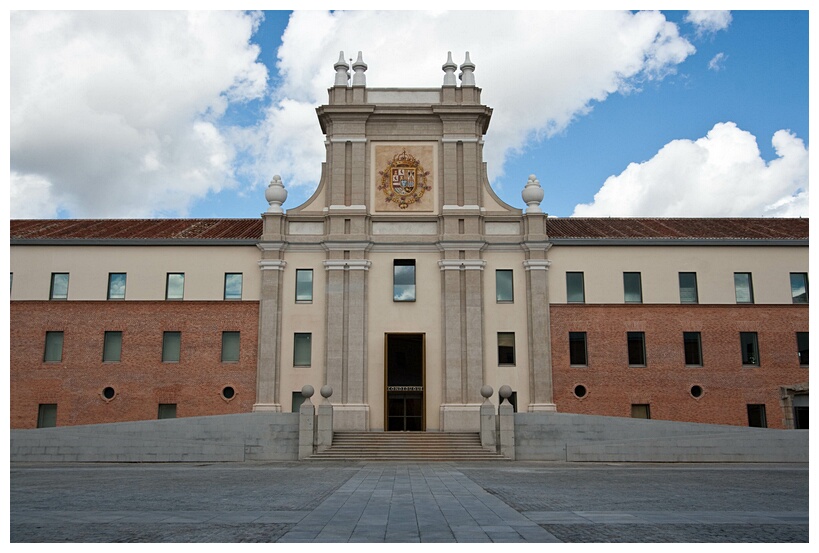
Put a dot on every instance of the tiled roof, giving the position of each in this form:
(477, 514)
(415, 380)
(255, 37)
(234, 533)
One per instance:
(136, 229)
(557, 228)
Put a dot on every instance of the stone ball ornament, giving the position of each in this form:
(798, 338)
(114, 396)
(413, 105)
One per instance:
(307, 391)
(326, 391)
(505, 392)
(532, 194)
(487, 391)
(275, 195)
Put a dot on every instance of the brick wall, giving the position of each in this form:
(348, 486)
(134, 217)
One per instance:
(665, 382)
(141, 380)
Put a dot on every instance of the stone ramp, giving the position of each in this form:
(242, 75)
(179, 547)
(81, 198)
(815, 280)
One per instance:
(407, 446)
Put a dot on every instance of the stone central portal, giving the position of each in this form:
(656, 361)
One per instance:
(404, 366)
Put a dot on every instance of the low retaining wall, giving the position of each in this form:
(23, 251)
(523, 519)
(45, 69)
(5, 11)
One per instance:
(243, 437)
(567, 437)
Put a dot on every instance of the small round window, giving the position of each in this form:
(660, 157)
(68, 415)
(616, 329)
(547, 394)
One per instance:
(580, 390)
(696, 391)
(228, 392)
(109, 393)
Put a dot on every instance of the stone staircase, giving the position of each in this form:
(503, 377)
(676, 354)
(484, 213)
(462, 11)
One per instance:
(407, 446)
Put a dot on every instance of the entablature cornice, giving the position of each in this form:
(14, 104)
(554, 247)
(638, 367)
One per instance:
(462, 264)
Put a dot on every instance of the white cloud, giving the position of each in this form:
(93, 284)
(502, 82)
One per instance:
(116, 113)
(719, 175)
(717, 63)
(708, 21)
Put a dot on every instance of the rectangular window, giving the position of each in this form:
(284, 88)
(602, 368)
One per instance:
(640, 411)
(633, 288)
(802, 348)
(504, 289)
(577, 348)
(403, 280)
(175, 286)
(116, 286)
(688, 288)
(637, 348)
(799, 287)
(575, 291)
(47, 415)
(750, 348)
(744, 287)
(302, 349)
(166, 411)
(112, 346)
(171, 347)
(233, 286)
(756, 415)
(692, 343)
(59, 286)
(230, 347)
(304, 285)
(506, 348)
(53, 347)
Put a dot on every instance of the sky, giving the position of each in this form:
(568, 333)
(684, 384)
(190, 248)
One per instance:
(617, 113)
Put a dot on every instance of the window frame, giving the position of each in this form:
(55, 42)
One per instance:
(403, 263)
(168, 287)
(646, 408)
(507, 352)
(750, 288)
(803, 361)
(578, 337)
(499, 291)
(52, 335)
(51, 291)
(46, 413)
(166, 409)
(111, 277)
(582, 282)
(697, 338)
(795, 298)
(639, 282)
(166, 353)
(230, 335)
(749, 360)
(631, 337)
(110, 334)
(297, 361)
(760, 414)
(300, 284)
(692, 275)
(232, 296)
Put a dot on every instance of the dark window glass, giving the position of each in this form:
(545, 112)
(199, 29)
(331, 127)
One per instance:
(750, 348)
(112, 347)
(59, 286)
(799, 287)
(233, 286)
(167, 411)
(47, 415)
(743, 285)
(304, 285)
(756, 415)
(688, 288)
(116, 286)
(504, 290)
(636, 348)
(302, 349)
(640, 411)
(175, 286)
(633, 288)
(403, 280)
(53, 347)
(575, 291)
(506, 348)
(230, 347)
(171, 346)
(802, 346)
(577, 348)
(692, 342)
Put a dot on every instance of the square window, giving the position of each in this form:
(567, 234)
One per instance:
(112, 346)
(692, 343)
(633, 287)
(304, 285)
(504, 289)
(116, 286)
(47, 415)
(799, 287)
(59, 286)
(403, 280)
(166, 411)
(756, 415)
(636, 348)
(744, 287)
(53, 347)
(230, 346)
(577, 348)
(175, 286)
(575, 291)
(802, 346)
(688, 288)
(640, 411)
(506, 348)
(233, 286)
(750, 348)
(171, 347)
(302, 349)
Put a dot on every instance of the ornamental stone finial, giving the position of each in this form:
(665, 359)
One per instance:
(505, 392)
(467, 69)
(532, 194)
(359, 67)
(275, 195)
(342, 71)
(307, 391)
(326, 391)
(449, 71)
(487, 391)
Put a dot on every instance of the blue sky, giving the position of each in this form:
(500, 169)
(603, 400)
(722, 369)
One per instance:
(631, 114)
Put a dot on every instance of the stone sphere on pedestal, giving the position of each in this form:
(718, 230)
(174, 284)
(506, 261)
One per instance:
(505, 392)
(487, 391)
(326, 391)
(307, 391)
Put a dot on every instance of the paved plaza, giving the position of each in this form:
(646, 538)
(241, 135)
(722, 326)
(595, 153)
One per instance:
(408, 502)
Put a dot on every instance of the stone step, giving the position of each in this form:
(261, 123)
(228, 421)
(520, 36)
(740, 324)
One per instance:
(407, 446)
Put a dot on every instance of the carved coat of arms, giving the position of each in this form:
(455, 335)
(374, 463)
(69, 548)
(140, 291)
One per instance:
(404, 181)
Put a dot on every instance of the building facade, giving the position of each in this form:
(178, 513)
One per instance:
(406, 284)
